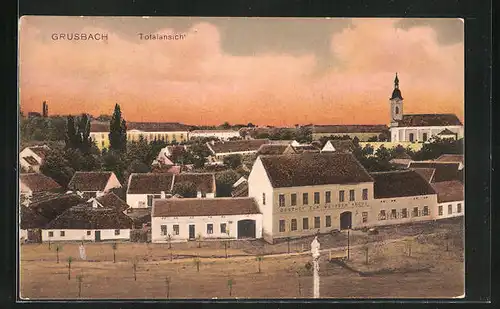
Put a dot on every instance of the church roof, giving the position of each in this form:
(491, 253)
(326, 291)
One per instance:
(428, 120)
(396, 94)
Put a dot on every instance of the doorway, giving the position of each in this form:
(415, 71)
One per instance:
(97, 235)
(246, 229)
(346, 220)
(192, 232)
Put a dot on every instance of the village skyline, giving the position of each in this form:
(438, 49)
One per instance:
(307, 71)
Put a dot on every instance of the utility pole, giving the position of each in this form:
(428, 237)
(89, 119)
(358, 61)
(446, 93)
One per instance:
(348, 243)
(315, 255)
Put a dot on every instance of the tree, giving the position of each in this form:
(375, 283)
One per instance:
(197, 263)
(225, 126)
(232, 161)
(114, 246)
(58, 248)
(104, 118)
(199, 153)
(169, 240)
(259, 259)
(230, 283)
(71, 138)
(303, 135)
(355, 141)
(137, 166)
(113, 161)
(373, 139)
(198, 239)
(79, 278)
(438, 147)
(117, 131)
(185, 189)
(135, 261)
(70, 260)
(167, 286)
(83, 134)
(224, 182)
(250, 125)
(57, 167)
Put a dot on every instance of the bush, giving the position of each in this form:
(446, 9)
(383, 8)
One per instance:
(138, 236)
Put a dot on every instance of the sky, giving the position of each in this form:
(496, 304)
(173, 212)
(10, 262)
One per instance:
(268, 71)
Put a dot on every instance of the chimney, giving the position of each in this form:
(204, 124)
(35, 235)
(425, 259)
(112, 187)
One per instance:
(212, 142)
(162, 194)
(94, 203)
(99, 194)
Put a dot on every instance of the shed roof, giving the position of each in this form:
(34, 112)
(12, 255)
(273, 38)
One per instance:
(204, 207)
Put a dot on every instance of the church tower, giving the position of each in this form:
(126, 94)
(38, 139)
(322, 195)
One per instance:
(396, 102)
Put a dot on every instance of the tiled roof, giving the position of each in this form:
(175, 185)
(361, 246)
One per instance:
(400, 184)
(449, 191)
(52, 206)
(150, 183)
(273, 149)
(31, 160)
(40, 151)
(237, 146)
(240, 190)
(203, 207)
(205, 182)
(342, 145)
(175, 169)
(38, 182)
(426, 173)
(426, 120)
(96, 126)
(85, 217)
(309, 169)
(89, 181)
(215, 131)
(111, 200)
(446, 132)
(451, 158)
(401, 155)
(157, 126)
(31, 219)
(306, 148)
(444, 171)
(336, 129)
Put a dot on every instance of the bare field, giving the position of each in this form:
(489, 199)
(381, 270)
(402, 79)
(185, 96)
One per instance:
(391, 272)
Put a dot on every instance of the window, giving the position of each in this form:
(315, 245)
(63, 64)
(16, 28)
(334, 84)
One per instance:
(305, 199)
(317, 223)
(393, 214)
(102, 144)
(328, 221)
(151, 137)
(365, 194)
(157, 196)
(51, 234)
(102, 136)
(415, 211)
(316, 197)
(341, 196)
(381, 215)
(203, 194)
(440, 210)
(282, 226)
(424, 137)
(426, 211)
(351, 195)
(223, 228)
(176, 229)
(163, 230)
(293, 199)
(365, 216)
(305, 223)
(117, 232)
(62, 233)
(450, 209)
(281, 200)
(411, 137)
(328, 197)
(263, 199)
(210, 228)
(404, 213)
(459, 208)
(293, 225)
(150, 200)
(88, 233)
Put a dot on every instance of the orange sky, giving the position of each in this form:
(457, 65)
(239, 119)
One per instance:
(223, 71)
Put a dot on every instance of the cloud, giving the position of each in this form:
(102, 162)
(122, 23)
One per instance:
(196, 81)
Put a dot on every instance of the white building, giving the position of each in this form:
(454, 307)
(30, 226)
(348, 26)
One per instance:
(92, 184)
(185, 219)
(222, 135)
(33, 183)
(84, 222)
(31, 158)
(450, 199)
(222, 149)
(420, 127)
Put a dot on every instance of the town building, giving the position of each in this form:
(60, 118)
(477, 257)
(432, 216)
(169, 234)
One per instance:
(33, 183)
(223, 135)
(420, 127)
(109, 200)
(306, 148)
(362, 132)
(450, 198)
(191, 218)
(93, 184)
(442, 171)
(219, 150)
(452, 158)
(150, 131)
(30, 224)
(240, 188)
(31, 158)
(302, 194)
(275, 149)
(338, 145)
(400, 197)
(86, 223)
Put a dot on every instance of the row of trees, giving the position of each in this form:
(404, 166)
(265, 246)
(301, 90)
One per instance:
(300, 134)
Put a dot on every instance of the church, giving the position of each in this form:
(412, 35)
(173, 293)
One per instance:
(420, 127)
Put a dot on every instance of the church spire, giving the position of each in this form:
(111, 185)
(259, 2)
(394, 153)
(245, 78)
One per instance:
(396, 93)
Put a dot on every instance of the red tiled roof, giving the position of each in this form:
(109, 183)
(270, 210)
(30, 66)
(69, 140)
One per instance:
(426, 173)
(400, 184)
(157, 126)
(111, 200)
(449, 191)
(203, 207)
(85, 217)
(150, 183)
(451, 158)
(310, 169)
(378, 128)
(204, 182)
(89, 181)
(237, 146)
(444, 171)
(38, 182)
(427, 120)
(342, 145)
